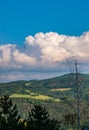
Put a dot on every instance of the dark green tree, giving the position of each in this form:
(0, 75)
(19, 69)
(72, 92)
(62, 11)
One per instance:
(54, 124)
(39, 119)
(2, 122)
(9, 118)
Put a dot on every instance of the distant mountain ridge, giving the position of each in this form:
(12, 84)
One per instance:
(55, 82)
(49, 92)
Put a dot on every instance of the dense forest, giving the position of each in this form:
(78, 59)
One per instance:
(38, 117)
(49, 104)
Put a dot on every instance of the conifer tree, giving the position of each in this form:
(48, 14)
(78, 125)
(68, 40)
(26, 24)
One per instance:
(39, 119)
(9, 118)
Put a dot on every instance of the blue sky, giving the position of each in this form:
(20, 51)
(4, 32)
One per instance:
(20, 18)
(36, 36)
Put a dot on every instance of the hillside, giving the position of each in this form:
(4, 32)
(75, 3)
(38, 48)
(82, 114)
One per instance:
(48, 92)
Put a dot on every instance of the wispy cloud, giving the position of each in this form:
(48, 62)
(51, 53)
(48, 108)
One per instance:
(44, 53)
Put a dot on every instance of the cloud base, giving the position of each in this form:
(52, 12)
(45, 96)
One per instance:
(43, 53)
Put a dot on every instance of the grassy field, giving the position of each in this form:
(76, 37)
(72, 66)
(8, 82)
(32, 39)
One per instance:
(60, 89)
(36, 97)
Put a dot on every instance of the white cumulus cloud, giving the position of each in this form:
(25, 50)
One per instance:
(56, 48)
(44, 52)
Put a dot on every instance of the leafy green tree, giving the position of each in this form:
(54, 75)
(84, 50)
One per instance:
(9, 118)
(70, 120)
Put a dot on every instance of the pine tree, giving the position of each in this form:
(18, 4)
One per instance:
(39, 119)
(9, 118)
(2, 122)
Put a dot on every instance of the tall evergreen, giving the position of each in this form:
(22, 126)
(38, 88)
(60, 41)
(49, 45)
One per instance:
(39, 119)
(9, 118)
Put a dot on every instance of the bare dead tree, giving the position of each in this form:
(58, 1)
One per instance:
(77, 95)
(77, 89)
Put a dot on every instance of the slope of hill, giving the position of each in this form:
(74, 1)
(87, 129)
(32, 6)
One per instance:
(48, 92)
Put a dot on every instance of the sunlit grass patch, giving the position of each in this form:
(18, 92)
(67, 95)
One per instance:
(20, 96)
(28, 84)
(43, 97)
(31, 93)
(56, 100)
(36, 97)
(60, 89)
(28, 91)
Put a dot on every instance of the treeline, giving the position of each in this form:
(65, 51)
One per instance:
(38, 117)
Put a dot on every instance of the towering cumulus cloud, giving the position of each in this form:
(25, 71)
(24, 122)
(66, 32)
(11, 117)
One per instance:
(53, 47)
(44, 53)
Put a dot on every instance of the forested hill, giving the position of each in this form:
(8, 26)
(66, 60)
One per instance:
(42, 86)
(49, 92)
